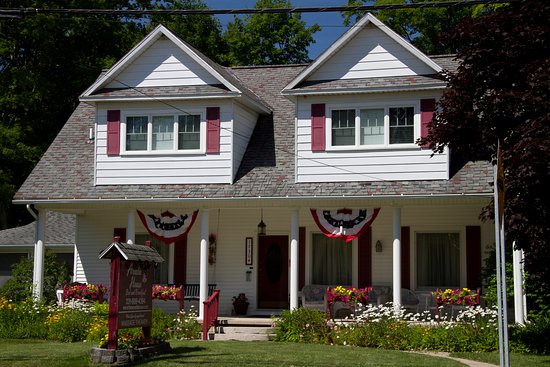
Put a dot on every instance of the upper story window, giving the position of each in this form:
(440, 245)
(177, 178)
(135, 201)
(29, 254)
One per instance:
(362, 127)
(164, 133)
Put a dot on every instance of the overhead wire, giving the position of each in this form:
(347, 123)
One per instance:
(22, 12)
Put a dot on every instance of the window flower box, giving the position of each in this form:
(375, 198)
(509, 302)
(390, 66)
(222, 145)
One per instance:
(167, 292)
(90, 292)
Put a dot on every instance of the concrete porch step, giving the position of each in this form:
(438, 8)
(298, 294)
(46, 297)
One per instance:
(243, 329)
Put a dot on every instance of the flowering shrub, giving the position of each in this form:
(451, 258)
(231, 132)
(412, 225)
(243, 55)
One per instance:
(462, 296)
(166, 292)
(91, 292)
(185, 326)
(347, 295)
(129, 339)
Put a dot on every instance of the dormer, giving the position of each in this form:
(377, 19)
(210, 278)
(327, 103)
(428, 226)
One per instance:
(166, 113)
(361, 107)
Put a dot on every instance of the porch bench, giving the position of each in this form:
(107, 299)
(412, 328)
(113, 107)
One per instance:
(192, 291)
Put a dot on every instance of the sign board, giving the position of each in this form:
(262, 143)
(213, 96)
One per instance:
(134, 297)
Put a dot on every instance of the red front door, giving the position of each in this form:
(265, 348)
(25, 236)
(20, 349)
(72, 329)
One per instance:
(273, 272)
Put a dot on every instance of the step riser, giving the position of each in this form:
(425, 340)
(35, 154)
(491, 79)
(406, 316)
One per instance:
(243, 330)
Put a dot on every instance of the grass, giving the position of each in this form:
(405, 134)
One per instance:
(232, 353)
(218, 353)
(516, 359)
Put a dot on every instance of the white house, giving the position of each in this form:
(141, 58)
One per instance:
(168, 138)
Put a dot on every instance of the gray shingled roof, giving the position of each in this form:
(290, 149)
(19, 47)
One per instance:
(177, 91)
(60, 230)
(267, 168)
(132, 252)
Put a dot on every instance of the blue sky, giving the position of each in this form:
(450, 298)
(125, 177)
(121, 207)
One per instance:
(331, 23)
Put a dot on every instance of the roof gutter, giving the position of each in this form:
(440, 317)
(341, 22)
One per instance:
(362, 91)
(249, 198)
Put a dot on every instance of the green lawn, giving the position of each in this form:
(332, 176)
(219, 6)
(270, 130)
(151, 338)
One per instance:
(218, 353)
(516, 360)
(232, 353)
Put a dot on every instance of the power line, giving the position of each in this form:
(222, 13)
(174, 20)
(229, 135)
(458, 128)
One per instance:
(22, 12)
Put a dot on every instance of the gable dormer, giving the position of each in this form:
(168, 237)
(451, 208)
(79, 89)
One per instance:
(361, 107)
(165, 113)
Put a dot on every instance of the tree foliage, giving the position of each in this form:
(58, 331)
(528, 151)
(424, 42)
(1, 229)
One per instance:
(269, 39)
(204, 32)
(423, 27)
(501, 92)
(46, 61)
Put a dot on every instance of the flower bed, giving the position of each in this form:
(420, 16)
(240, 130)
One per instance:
(91, 292)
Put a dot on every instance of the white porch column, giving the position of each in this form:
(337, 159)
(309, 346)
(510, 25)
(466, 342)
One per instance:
(203, 292)
(38, 271)
(396, 258)
(294, 261)
(131, 227)
(519, 306)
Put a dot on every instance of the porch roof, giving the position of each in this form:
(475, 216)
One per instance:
(60, 230)
(267, 168)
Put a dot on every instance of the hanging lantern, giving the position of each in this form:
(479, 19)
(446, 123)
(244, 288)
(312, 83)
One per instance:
(261, 225)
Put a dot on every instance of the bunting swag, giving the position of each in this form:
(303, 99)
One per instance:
(168, 227)
(345, 223)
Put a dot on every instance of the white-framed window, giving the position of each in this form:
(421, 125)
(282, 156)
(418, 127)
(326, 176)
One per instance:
(331, 260)
(163, 133)
(372, 126)
(437, 260)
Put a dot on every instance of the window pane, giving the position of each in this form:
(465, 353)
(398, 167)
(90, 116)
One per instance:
(8, 260)
(163, 133)
(343, 127)
(401, 125)
(189, 133)
(161, 270)
(331, 261)
(438, 260)
(136, 133)
(372, 126)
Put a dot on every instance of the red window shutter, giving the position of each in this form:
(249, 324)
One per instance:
(180, 261)
(113, 132)
(473, 257)
(301, 257)
(318, 127)
(213, 130)
(406, 257)
(427, 109)
(364, 259)
(120, 232)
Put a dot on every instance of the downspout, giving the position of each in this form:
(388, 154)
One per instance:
(38, 270)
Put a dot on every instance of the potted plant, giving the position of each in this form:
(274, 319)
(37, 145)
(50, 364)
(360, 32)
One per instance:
(240, 304)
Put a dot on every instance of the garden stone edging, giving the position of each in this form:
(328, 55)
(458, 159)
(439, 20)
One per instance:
(127, 356)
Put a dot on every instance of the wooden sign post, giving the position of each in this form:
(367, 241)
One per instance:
(130, 294)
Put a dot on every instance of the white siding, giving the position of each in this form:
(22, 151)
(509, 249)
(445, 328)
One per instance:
(164, 168)
(245, 121)
(389, 163)
(371, 53)
(163, 64)
(232, 226)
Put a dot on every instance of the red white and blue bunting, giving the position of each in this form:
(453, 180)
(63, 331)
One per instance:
(344, 223)
(168, 227)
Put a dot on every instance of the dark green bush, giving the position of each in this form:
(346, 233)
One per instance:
(19, 286)
(532, 338)
(302, 325)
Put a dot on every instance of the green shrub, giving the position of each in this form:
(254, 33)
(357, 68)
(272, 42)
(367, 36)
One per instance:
(183, 326)
(19, 286)
(302, 325)
(68, 324)
(23, 319)
(533, 337)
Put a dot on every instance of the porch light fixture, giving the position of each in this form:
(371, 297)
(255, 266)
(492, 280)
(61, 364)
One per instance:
(378, 246)
(261, 225)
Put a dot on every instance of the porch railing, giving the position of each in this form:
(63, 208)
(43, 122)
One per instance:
(210, 313)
